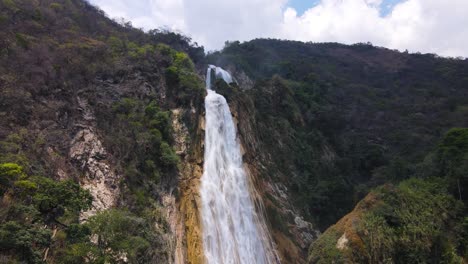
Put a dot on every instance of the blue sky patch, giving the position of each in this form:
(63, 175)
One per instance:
(387, 6)
(302, 5)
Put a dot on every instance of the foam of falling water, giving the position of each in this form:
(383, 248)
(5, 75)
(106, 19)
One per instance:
(232, 231)
(220, 73)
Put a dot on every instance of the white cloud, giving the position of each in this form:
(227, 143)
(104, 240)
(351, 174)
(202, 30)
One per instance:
(168, 13)
(436, 26)
(212, 21)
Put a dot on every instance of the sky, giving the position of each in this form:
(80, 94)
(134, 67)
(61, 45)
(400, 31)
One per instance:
(427, 26)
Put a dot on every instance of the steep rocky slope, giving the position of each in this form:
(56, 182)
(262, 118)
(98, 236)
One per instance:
(291, 233)
(86, 99)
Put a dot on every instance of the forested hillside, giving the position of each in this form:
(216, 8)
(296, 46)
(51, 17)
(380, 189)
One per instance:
(339, 121)
(85, 126)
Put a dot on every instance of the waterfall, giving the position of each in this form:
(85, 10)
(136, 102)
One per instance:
(232, 230)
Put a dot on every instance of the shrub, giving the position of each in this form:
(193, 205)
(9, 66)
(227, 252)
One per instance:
(172, 75)
(182, 61)
(416, 215)
(52, 196)
(168, 157)
(77, 233)
(324, 251)
(116, 44)
(190, 81)
(120, 232)
(452, 160)
(3, 19)
(165, 50)
(10, 4)
(22, 40)
(9, 172)
(26, 186)
(56, 6)
(26, 241)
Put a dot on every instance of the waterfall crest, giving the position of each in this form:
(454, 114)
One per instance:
(232, 231)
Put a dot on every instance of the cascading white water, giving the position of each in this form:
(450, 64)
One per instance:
(232, 230)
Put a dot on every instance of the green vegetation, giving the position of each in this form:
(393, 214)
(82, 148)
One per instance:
(336, 121)
(24, 241)
(452, 159)
(117, 234)
(49, 197)
(10, 4)
(62, 62)
(420, 220)
(181, 74)
(29, 204)
(56, 6)
(331, 122)
(324, 250)
(139, 135)
(415, 224)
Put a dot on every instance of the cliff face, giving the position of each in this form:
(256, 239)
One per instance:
(107, 106)
(89, 155)
(291, 234)
(190, 146)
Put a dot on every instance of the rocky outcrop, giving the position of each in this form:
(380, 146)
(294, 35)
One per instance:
(90, 157)
(99, 178)
(186, 220)
(342, 241)
(244, 81)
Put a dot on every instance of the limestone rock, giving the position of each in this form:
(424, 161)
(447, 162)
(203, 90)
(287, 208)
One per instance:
(342, 243)
(89, 155)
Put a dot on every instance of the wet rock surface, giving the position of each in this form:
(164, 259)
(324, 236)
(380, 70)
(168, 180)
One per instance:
(290, 232)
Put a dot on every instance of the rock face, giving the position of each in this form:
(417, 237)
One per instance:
(187, 225)
(342, 242)
(291, 234)
(102, 182)
(245, 83)
(88, 154)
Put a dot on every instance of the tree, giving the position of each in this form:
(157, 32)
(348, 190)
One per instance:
(25, 240)
(52, 198)
(9, 172)
(453, 160)
(121, 233)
